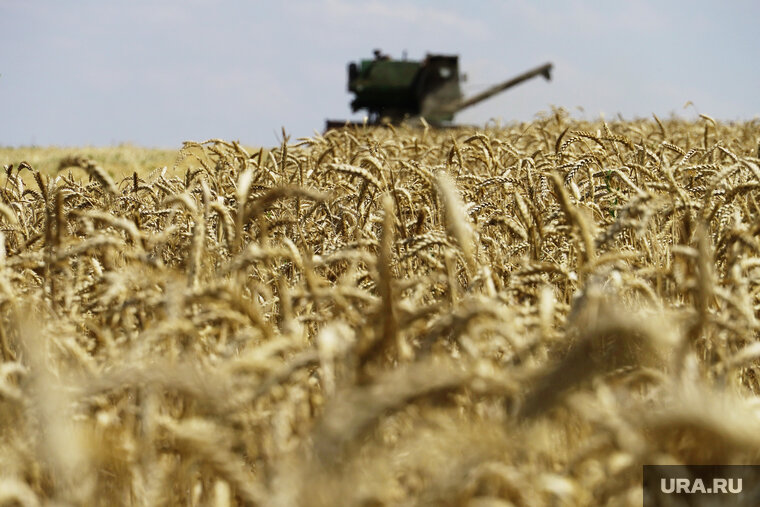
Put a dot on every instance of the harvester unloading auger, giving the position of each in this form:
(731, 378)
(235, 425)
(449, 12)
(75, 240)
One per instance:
(396, 90)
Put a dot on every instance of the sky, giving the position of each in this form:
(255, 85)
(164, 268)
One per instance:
(156, 73)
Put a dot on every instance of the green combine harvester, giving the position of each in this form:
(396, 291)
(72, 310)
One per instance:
(395, 90)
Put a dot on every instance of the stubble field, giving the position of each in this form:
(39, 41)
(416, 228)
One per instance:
(382, 316)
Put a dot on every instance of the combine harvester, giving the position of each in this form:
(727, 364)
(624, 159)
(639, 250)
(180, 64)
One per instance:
(392, 91)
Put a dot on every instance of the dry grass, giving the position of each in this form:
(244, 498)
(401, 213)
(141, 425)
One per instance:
(382, 316)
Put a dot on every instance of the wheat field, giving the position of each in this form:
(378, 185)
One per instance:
(522, 315)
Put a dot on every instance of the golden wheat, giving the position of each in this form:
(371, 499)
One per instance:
(520, 315)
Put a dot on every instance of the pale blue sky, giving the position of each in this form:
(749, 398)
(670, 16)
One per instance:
(158, 72)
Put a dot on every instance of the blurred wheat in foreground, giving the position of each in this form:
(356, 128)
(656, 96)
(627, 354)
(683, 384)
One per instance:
(384, 316)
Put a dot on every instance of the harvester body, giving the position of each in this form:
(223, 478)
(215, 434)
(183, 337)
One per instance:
(396, 89)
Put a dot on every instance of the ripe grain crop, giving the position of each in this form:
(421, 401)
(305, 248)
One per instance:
(383, 316)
